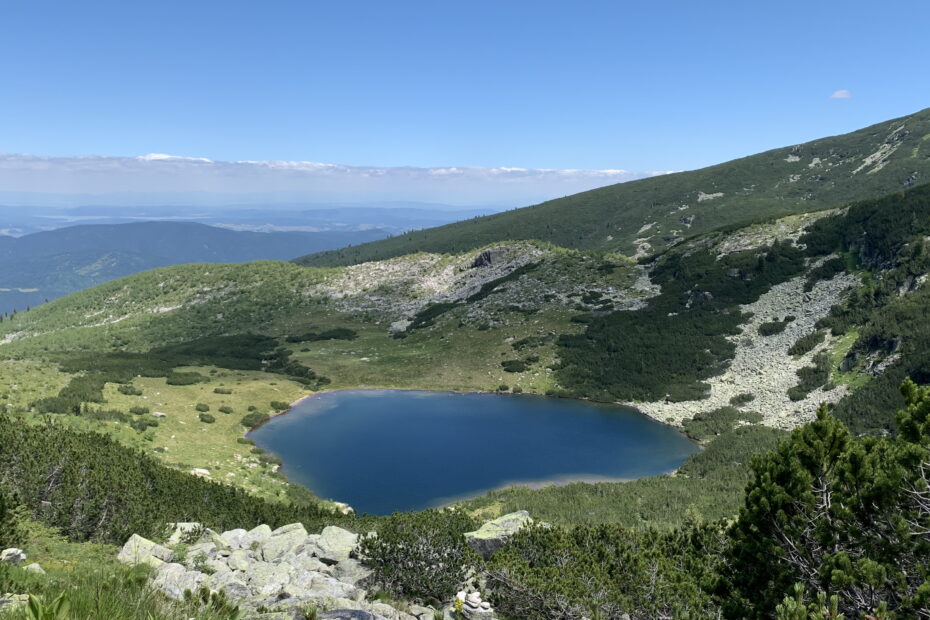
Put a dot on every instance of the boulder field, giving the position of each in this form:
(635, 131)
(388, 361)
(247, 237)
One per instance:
(285, 572)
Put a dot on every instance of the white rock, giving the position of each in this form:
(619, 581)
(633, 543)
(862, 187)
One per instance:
(12, 556)
(34, 568)
(233, 538)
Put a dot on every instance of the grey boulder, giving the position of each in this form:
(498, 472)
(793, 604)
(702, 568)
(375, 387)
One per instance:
(283, 540)
(34, 568)
(351, 571)
(240, 560)
(138, 550)
(174, 579)
(335, 544)
(234, 538)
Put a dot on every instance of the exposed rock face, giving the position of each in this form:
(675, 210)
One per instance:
(492, 535)
(487, 258)
(346, 614)
(394, 291)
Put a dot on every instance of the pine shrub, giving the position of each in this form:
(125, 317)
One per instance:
(254, 419)
(422, 555)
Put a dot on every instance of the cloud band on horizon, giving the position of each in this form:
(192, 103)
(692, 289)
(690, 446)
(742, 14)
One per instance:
(170, 179)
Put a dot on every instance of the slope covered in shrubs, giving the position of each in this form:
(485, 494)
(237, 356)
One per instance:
(93, 488)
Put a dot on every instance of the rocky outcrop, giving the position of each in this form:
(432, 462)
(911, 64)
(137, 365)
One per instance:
(394, 291)
(492, 535)
(281, 570)
(279, 574)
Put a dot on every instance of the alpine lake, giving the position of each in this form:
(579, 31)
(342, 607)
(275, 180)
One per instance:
(383, 451)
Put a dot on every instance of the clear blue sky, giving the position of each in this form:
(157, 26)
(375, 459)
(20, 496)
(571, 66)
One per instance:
(640, 86)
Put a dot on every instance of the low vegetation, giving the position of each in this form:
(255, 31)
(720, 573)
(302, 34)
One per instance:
(421, 555)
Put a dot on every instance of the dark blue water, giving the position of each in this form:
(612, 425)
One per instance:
(389, 450)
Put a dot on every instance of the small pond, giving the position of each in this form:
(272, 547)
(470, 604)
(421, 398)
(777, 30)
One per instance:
(392, 450)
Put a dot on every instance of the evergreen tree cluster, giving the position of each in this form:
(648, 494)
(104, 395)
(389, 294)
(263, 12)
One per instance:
(844, 516)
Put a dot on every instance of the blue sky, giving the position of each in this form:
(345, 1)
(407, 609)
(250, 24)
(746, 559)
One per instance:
(580, 85)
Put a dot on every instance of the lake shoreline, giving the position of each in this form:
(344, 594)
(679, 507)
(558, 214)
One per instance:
(606, 409)
(616, 403)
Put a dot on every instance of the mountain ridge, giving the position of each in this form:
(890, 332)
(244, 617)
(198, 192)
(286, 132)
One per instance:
(641, 217)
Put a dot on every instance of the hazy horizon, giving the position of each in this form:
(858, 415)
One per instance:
(168, 180)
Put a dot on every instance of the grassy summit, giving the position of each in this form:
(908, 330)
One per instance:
(648, 215)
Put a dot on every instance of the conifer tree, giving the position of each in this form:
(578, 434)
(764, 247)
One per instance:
(841, 516)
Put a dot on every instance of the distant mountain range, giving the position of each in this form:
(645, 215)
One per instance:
(45, 265)
(392, 217)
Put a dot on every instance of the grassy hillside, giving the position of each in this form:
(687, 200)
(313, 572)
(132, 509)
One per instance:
(648, 215)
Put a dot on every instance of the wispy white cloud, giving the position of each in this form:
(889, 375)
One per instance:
(841, 94)
(173, 179)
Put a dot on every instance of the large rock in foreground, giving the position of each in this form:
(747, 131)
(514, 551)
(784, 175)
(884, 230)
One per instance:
(138, 550)
(336, 544)
(494, 534)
